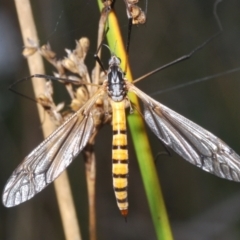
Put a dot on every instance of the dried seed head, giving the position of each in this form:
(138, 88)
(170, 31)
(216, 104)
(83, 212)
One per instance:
(99, 102)
(82, 46)
(71, 55)
(58, 65)
(75, 105)
(44, 101)
(46, 52)
(60, 106)
(69, 65)
(141, 19)
(135, 11)
(49, 87)
(85, 43)
(28, 51)
(79, 50)
(82, 94)
(82, 69)
(132, 1)
(81, 97)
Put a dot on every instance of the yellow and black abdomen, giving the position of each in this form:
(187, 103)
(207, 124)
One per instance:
(120, 155)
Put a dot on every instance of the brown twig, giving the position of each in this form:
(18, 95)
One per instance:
(62, 188)
(88, 153)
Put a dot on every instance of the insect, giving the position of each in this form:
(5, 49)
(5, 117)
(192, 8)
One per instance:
(45, 163)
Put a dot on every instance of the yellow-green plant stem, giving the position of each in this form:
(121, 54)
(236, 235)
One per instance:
(141, 143)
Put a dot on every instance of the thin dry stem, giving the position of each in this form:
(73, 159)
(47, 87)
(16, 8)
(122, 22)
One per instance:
(88, 153)
(90, 169)
(62, 187)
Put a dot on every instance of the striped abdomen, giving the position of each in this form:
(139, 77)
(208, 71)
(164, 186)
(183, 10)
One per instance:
(120, 155)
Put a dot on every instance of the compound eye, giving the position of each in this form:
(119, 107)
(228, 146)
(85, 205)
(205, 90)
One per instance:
(118, 60)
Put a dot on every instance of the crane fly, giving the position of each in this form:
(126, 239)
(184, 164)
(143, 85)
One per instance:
(193, 143)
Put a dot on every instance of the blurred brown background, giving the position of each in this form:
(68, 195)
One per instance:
(200, 205)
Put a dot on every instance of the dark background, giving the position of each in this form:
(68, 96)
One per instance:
(200, 205)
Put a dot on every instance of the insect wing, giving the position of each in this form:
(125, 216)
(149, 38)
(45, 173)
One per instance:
(192, 142)
(51, 157)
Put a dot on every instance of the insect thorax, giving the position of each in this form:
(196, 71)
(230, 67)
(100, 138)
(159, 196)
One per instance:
(116, 83)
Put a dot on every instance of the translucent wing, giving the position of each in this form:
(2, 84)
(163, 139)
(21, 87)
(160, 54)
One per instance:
(192, 142)
(51, 157)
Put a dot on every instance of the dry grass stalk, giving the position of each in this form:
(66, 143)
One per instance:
(62, 187)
